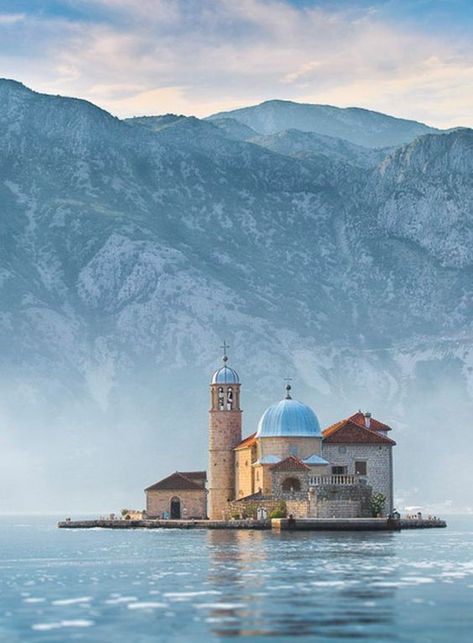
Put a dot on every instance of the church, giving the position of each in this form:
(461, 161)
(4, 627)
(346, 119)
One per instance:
(288, 463)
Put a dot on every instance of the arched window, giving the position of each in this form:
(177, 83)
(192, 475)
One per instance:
(291, 484)
(221, 398)
(229, 398)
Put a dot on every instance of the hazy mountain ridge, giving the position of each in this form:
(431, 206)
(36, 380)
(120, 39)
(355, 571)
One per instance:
(353, 124)
(131, 249)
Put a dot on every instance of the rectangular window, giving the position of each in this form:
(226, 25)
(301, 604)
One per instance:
(293, 449)
(360, 468)
(342, 449)
(339, 471)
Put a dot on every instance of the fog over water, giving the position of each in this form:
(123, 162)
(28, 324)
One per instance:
(74, 458)
(131, 249)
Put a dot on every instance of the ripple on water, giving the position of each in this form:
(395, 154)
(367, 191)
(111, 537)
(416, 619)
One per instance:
(220, 606)
(72, 601)
(186, 596)
(146, 605)
(44, 627)
(209, 586)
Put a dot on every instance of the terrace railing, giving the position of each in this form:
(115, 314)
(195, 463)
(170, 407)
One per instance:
(345, 479)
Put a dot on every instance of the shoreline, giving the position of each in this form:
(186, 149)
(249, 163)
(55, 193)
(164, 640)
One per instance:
(277, 524)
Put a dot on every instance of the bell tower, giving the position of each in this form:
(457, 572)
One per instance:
(224, 436)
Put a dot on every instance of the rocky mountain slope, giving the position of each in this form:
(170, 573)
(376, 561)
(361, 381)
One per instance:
(130, 249)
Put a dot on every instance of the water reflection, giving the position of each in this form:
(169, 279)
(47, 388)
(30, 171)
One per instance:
(198, 586)
(322, 585)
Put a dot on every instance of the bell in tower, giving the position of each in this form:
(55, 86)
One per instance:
(224, 436)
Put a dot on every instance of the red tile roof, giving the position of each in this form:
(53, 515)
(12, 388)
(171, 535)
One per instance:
(358, 419)
(291, 463)
(348, 432)
(247, 442)
(176, 482)
(375, 425)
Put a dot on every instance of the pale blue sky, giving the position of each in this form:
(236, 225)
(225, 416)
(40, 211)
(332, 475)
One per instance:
(409, 58)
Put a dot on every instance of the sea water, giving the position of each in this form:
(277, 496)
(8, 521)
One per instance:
(137, 586)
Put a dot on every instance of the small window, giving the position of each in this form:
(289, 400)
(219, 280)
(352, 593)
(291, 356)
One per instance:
(360, 468)
(339, 471)
(293, 449)
(342, 449)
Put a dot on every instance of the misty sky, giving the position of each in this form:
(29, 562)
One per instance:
(410, 58)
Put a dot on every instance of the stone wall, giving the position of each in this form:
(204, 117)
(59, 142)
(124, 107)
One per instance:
(246, 507)
(297, 505)
(244, 474)
(224, 436)
(342, 501)
(279, 477)
(193, 503)
(263, 478)
(327, 501)
(378, 458)
(299, 447)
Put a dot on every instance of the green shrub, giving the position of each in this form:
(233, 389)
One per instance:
(249, 511)
(280, 511)
(377, 504)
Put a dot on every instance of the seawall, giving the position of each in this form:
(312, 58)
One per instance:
(277, 524)
(164, 524)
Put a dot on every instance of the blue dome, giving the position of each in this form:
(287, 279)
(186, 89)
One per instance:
(289, 418)
(225, 375)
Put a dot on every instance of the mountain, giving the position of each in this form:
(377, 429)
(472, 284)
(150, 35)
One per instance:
(131, 249)
(308, 145)
(358, 126)
(235, 129)
(156, 122)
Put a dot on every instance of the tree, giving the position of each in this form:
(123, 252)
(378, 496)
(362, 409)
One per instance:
(377, 504)
(250, 510)
(280, 511)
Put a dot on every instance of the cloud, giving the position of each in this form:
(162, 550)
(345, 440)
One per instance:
(200, 56)
(11, 18)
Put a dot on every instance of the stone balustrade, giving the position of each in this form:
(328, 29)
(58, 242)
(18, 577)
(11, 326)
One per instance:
(345, 479)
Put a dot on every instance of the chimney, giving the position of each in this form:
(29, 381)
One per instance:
(367, 416)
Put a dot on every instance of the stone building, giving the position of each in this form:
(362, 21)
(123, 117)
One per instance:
(360, 446)
(288, 460)
(330, 473)
(224, 437)
(180, 495)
